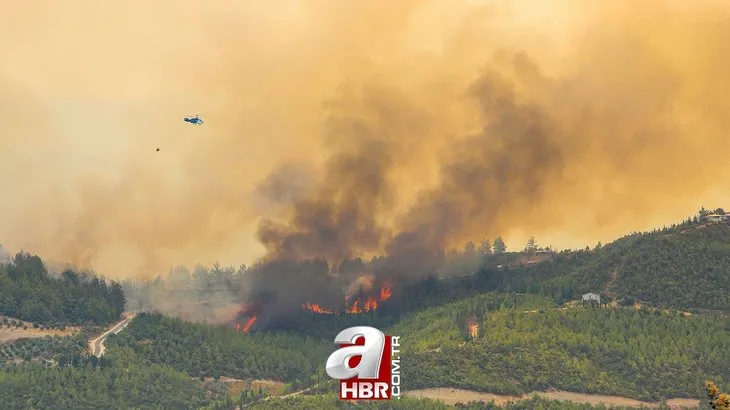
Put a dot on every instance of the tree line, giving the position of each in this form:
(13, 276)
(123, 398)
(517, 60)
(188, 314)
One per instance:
(28, 292)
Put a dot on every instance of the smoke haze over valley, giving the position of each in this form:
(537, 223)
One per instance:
(351, 130)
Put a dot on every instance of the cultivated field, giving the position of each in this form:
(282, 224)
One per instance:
(9, 333)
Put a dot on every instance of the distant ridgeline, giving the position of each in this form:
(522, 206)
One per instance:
(683, 266)
(29, 293)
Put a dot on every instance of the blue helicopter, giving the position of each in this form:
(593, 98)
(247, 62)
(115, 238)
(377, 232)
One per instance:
(194, 120)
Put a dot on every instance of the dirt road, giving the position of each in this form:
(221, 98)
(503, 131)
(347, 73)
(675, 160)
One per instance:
(96, 346)
(452, 396)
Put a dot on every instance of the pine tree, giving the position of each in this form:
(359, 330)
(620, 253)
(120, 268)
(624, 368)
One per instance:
(499, 245)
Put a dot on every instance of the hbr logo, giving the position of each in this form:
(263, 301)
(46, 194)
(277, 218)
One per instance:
(367, 364)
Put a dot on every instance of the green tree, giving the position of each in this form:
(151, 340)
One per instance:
(702, 214)
(531, 245)
(499, 245)
(485, 248)
(469, 249)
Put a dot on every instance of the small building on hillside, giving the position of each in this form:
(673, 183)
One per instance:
(717, 217)
(591, 298)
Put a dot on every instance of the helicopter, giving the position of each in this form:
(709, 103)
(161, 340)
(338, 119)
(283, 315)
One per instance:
(194, 120)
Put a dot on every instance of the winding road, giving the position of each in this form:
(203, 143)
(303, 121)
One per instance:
(96, 346)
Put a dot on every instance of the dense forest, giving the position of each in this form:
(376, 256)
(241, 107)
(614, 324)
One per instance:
(29, 293)
(203, 350)
(649, 355)
(296, 357)
(681, 267)
(122, 380)
(523, 343)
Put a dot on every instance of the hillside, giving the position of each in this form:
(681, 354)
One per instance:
(683, 267)
(625, 352)
(533, 346)
(121, 381)
(525, 335)
(212, 351)
(29, 293)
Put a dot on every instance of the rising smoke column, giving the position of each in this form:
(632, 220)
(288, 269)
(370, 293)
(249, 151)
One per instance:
(596, 119)
(506, 163)
(503, 168)
(593, 139)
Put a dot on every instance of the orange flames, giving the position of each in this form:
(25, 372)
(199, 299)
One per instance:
(246, 326)
(357, 306)
(370, 304)
(316, 308)
(385, 292)
(249, 310)
(473, 327)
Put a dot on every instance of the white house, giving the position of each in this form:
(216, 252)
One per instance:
(717, 218)
(590, 297)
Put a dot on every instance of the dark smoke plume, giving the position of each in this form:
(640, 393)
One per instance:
(505, 164)
(344, 130)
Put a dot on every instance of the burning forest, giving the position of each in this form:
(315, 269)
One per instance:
(365, 294)
(246, 318)
(362, 303)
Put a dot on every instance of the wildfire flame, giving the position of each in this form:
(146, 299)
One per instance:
(316, 308)
(385, 292)
(249, 310)
(357, 306)
(246, 326)
(473, 327)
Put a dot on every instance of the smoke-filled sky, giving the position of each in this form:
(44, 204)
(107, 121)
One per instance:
(341, 128)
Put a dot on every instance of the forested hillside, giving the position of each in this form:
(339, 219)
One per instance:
(296, 357)
(516, 349)
(682, 267)
(29, 293)
(634, 353)
(212, 351)
(503, 328)
(123, 380)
